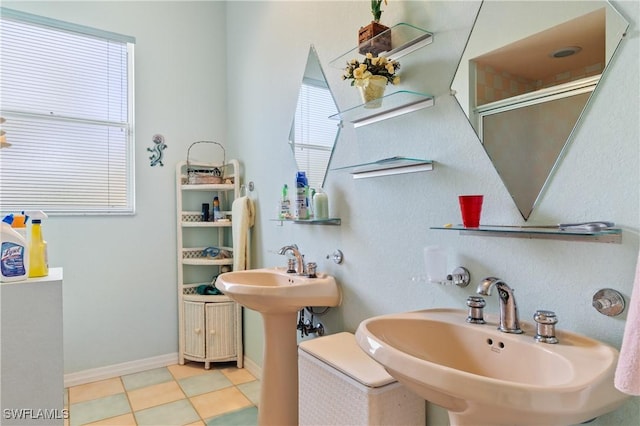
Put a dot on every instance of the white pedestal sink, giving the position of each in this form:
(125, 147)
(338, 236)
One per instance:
(278, 297)
(485, 377)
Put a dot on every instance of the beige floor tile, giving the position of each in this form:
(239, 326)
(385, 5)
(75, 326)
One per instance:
(219, 402)
(95, 390)
(238, 375)
(154, 395)
(124, 420)
(188, 370)
(198, 423)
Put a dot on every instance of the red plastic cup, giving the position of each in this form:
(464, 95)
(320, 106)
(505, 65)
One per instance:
(470, 207)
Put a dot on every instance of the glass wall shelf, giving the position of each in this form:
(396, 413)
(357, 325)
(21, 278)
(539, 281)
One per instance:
(388, 166)
(393, 105)
(207, 187)
(405, 38)
(330, 221)
(609, 235)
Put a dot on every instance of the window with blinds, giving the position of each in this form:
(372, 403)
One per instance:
(67, 99)
(313, 133)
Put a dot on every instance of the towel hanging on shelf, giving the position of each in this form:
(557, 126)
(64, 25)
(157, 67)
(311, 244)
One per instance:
(627, 376)
(243, 218)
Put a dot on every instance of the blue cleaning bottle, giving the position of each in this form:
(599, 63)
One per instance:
(302, 196)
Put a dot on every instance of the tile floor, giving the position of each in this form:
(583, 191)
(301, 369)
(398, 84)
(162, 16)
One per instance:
(174, 395)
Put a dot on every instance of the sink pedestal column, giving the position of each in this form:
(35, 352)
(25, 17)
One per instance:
(279, 383)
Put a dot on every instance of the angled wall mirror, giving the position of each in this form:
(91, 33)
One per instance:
(313, 134)
(524, 79)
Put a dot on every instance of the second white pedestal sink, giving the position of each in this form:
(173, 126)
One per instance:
(278, 297)
(485, 377)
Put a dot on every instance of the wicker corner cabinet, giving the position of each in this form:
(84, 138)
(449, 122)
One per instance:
(210, 326)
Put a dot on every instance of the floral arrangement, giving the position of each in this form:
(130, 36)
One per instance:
(375, 9)
(360, 72)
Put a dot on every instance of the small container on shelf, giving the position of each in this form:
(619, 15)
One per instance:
(205, 212)
(321, 205)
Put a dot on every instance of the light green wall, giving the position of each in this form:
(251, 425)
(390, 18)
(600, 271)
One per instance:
(385, 221)
(231, 71)
(120, 297)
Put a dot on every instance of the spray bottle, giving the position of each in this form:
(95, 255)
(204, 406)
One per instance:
(38, 259)
(14, 256)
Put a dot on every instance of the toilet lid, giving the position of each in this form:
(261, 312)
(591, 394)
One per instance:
(342, 352)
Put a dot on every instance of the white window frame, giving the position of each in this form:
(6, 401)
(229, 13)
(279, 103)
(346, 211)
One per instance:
(13, 198)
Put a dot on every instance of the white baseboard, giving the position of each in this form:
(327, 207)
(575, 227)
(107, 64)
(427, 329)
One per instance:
(130, 367)
(116, 370)
(253, 368)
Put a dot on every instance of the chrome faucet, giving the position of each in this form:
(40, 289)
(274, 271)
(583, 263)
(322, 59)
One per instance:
(299, 260)
(508, 309)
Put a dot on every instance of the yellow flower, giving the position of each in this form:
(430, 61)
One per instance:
(360, 71)
(390, 68)
(396, 80)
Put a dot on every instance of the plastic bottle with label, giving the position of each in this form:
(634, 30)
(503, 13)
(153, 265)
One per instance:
(310, 194)
(38, 258)
(14, 256)
(302, 196)
(285, 204)
(217, 214)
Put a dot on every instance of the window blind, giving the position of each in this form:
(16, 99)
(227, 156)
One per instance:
(314, 133)
(66, 95)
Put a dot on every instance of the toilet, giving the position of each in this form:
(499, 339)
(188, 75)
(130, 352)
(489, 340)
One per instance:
(340, 385)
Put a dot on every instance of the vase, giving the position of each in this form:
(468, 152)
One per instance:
(381, 39)
(373, 91)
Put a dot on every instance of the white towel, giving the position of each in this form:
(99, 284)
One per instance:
(627, 378)
(243, 218)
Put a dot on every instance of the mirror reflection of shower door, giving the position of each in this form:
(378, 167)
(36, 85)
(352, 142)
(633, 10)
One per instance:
(519, 139)
(520, 47)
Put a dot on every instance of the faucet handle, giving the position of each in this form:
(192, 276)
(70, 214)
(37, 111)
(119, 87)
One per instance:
(291, 266)
(311, 269)
(475, 304)
(545, 326)
(460, 277)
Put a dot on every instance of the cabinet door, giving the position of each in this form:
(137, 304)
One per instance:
(221, 330)
(194, 330)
